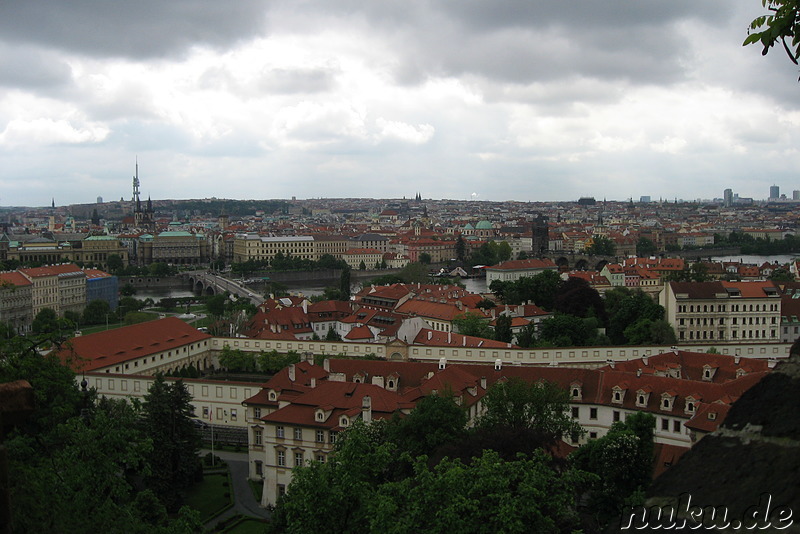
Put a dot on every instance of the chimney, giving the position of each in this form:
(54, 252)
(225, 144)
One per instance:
(326, 364)
(313, 382)
(305, 306)
(449, 337)
(366, 409)
(442, 363)
(430, 334)
(736, 359)
(483, 382)
(611, 363)
(772, 362)
(291, 373)
(638, 373)
(644, 360)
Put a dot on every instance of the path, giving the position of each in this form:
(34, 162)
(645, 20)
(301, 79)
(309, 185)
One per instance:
(244, 503)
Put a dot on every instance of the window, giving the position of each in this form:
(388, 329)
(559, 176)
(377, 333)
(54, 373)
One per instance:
(664, 424)
(298, 433)
(257, 436)
(278, 431)
(575, 412)
(592, 413)
(233, 414)
(281, 458)
(676, 426)
(298, 459)
(321, 458)
(257, 413)
(320, 436)
(592, 435)
(616, 416)
(259, 468)
(333, 438)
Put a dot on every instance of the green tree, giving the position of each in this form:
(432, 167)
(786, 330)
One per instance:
(461, 248)
(215, 305)
(161, 269)
(601, 246)
(563, 330)
(472, 324)
(781, 274)
(413, 273)
(114, 263)
(488, 494)
(344, 284)
(645, 247)
(780, 25)
(127, 290)
(502, 328)
(624, 308)
(45, 322)
(543, 406)
(576, 297)
(167, 418)
(425, 258)
(338, 493)
(622, 461)
(96, 312)
(434, 421)
(650, 332)
(503, 251)
(237, 360)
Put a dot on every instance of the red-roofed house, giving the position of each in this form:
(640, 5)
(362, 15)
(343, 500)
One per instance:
(164, 346)
(298, 414)
(516, 269)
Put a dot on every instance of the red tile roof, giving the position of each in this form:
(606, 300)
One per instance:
(112, 347)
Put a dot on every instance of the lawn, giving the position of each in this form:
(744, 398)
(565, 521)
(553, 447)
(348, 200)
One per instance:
(211, 496)
(256, 486)
(247, 526)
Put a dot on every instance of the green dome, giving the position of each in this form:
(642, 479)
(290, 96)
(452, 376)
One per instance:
(484, 225)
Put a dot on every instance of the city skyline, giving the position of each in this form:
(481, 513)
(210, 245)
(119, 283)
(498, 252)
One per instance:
(533, 102)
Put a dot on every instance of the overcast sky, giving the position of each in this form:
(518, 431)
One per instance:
(491, 99)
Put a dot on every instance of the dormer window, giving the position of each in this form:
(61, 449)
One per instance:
(667, 401)
(712, 416)
(390, 384)
(708, 373)
(618, 394)
(272, 396)
(576, 390)
(691, 404)
(344, 421)
(643, 397)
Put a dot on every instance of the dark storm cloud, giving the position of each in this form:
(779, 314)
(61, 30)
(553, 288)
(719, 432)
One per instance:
(27, 68)
(524, 41)
(140, 29)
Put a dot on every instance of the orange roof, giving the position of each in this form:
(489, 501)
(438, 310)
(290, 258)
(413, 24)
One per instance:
(111, 347)
(13, 278)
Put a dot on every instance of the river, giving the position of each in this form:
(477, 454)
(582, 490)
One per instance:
(474, 285)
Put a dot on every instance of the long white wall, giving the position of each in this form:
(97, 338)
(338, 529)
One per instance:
(571, 356)
(217, 402)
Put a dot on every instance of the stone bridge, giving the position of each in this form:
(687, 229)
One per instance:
(577, 261)
(207, 283)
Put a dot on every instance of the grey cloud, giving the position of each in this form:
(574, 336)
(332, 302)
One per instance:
(29, 68)
(141, 29)
(290, 81)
